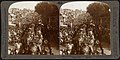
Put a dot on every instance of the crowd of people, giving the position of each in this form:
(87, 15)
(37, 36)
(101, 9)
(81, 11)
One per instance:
(77, 39)
(82, 43)
(74, 38)
(24, 37)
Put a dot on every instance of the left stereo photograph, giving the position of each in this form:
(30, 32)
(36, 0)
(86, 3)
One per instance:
(33, 28)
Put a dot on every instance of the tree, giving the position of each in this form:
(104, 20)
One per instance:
(98, 11)
(50, 19)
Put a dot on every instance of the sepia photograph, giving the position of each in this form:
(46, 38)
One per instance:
(43, 28)
(85, 28)
(33, 28)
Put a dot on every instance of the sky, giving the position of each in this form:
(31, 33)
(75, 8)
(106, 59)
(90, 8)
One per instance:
(25, 4)
(81, 5)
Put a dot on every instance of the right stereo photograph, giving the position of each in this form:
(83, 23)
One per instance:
(84, 28)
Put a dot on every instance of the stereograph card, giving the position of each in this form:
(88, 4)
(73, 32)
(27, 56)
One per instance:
(60, 29)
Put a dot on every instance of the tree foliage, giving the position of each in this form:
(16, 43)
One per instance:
(98, 9)
(46, 9)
